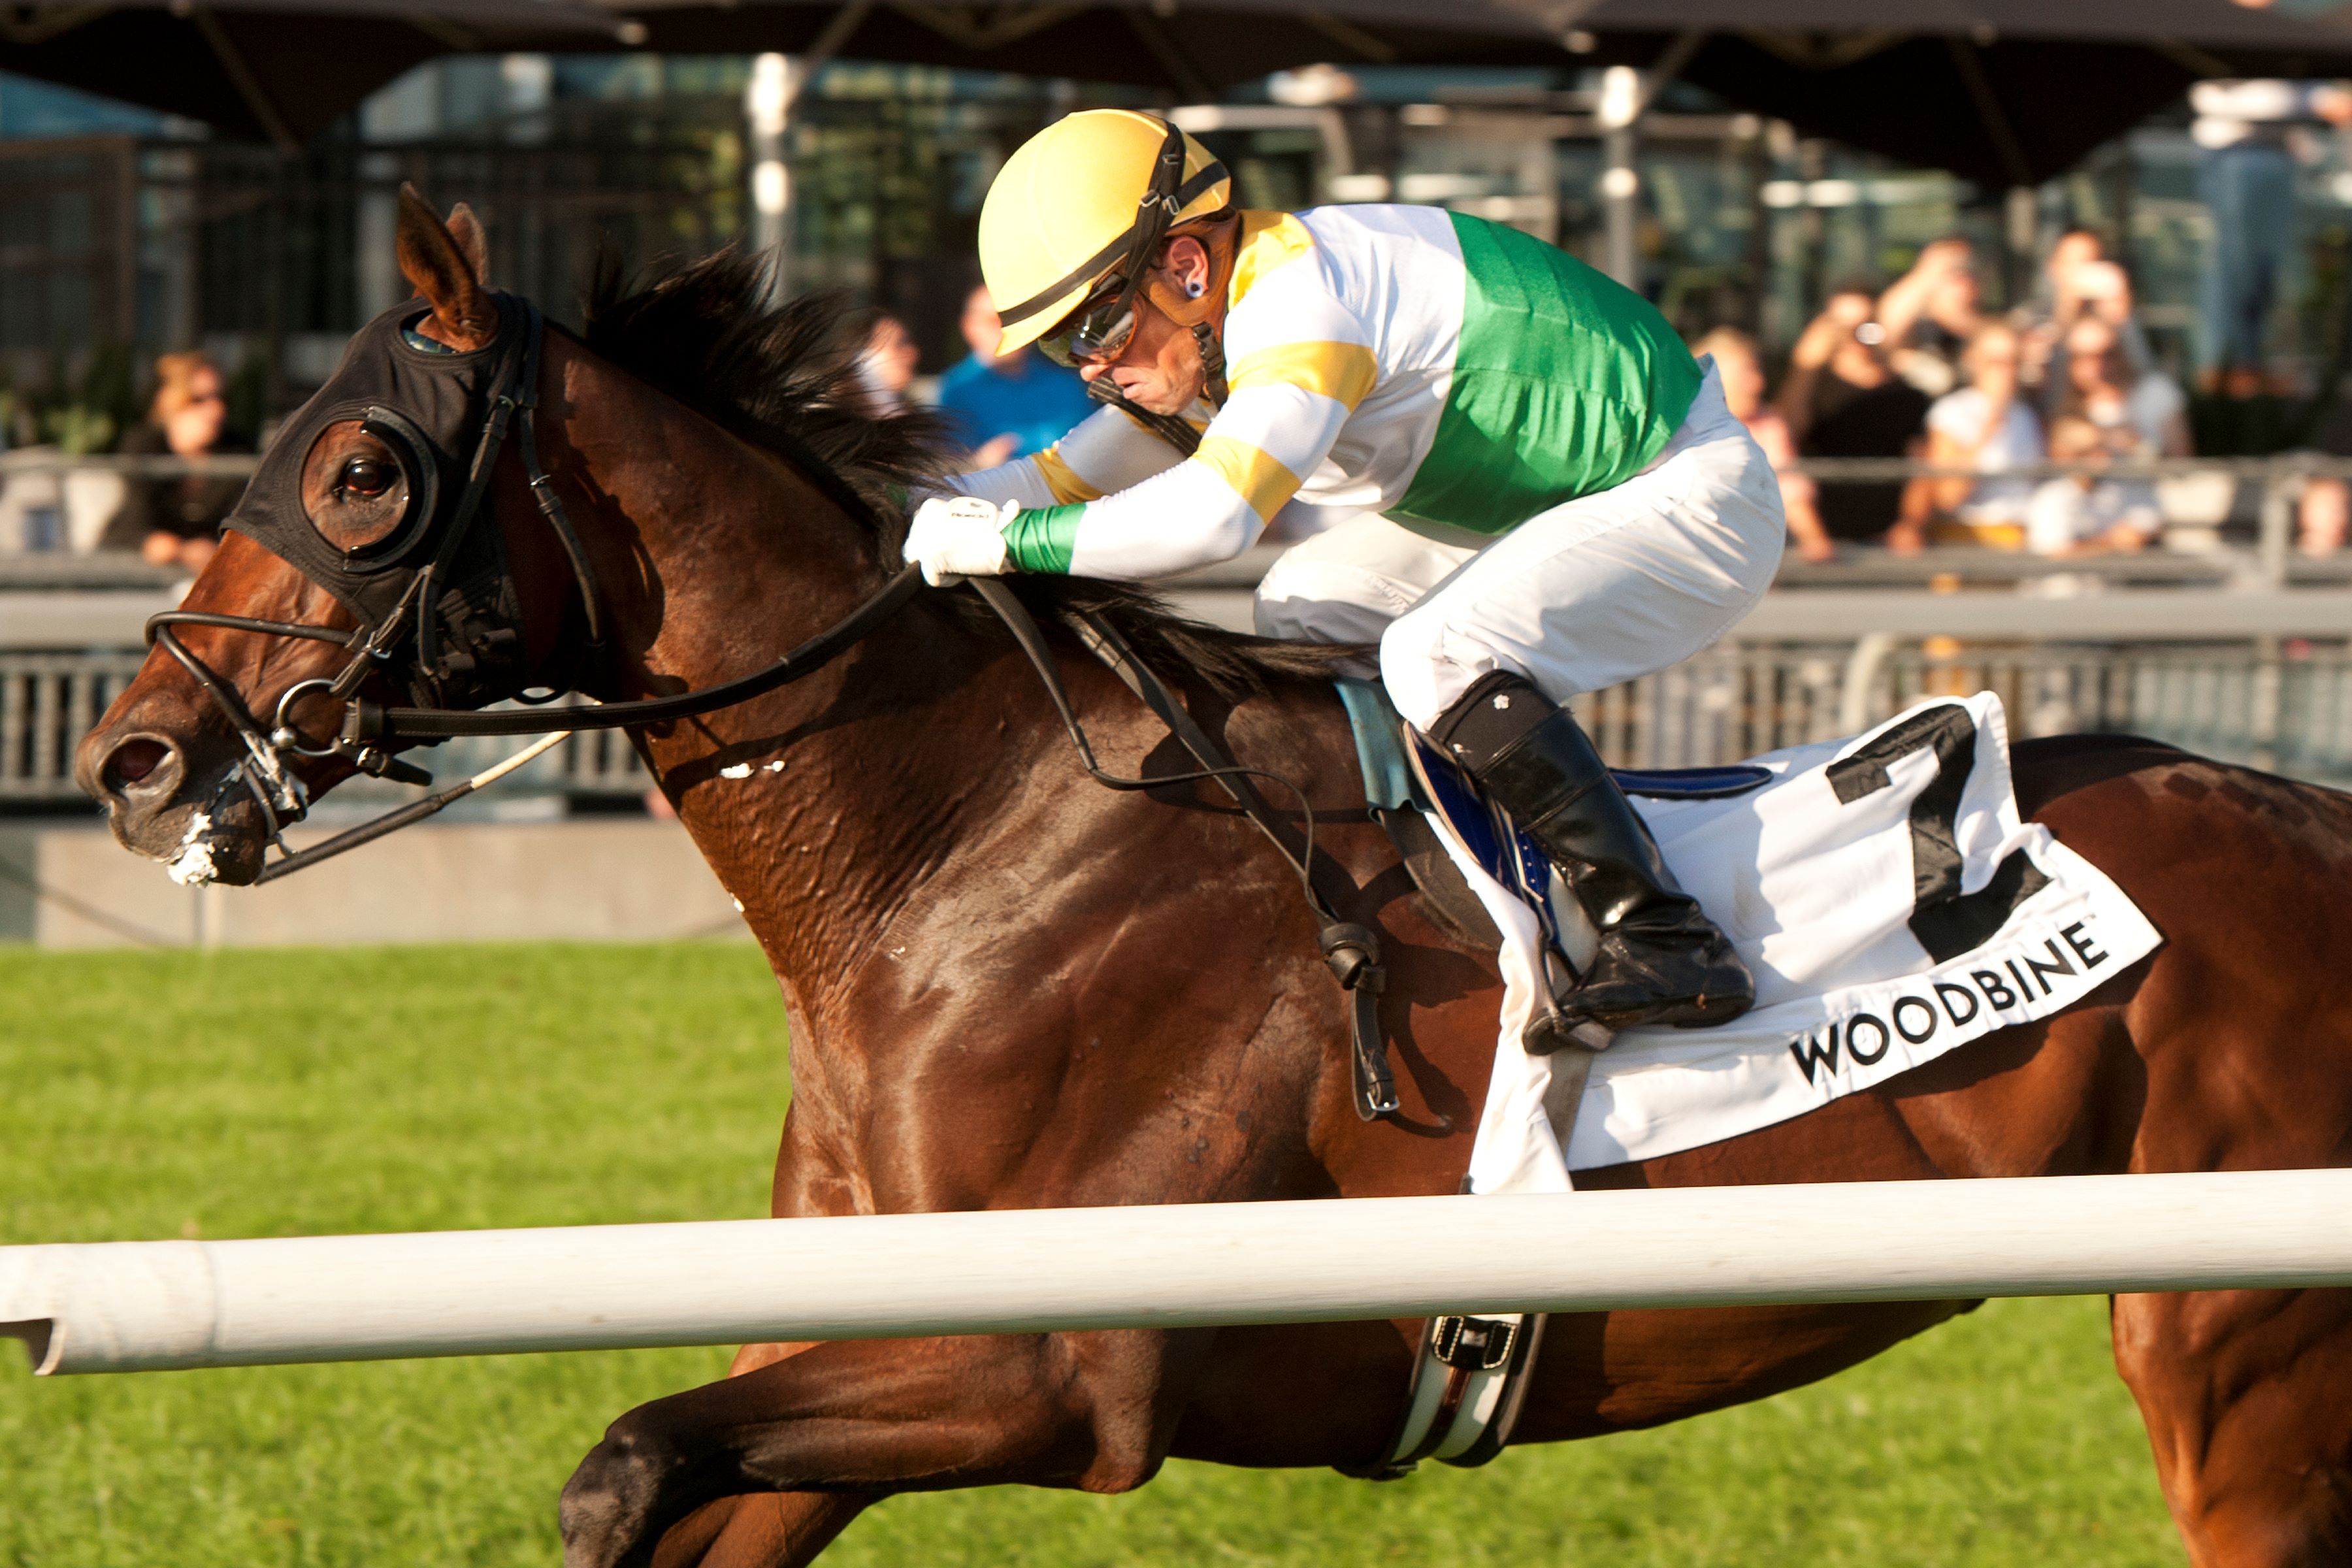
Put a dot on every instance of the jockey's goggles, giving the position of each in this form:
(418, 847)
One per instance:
(1104, 321)
(1100, 328)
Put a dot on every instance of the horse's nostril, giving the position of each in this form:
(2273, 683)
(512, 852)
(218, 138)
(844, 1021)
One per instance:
(133, 761)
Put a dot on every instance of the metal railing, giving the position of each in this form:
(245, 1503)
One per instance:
(2287, 708)
(2244, 653)
(48, 702)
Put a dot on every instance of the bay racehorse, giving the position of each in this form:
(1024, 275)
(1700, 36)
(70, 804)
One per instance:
(1008, 987)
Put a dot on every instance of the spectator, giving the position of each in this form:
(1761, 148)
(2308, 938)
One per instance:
(1842, 401)
(2139, 417)
(1007, 408)
(2324, 516)
(2078, 280)
(2080, 514)
(175, 520)
(1930, 314)
(2143, 414)
(1985, 427)
(1741, 371)
(887, 366)
(2247, 184)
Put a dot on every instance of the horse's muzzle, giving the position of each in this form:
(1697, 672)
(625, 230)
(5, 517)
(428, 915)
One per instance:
(157, 806)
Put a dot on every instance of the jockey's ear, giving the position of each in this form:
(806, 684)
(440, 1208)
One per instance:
(1184, 262)
(1185, 284)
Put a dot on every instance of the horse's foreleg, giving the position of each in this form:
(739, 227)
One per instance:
(758, 1530)
(2248, 1400)
(1091, 1411)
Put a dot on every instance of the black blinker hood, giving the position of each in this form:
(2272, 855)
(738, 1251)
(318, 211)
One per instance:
(433, 411)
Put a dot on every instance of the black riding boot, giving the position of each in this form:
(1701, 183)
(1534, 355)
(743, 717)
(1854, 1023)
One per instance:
(1660, 960)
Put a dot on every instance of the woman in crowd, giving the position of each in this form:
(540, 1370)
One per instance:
(1986, 427)
(2082, 514)
(2142, 413)
(1930, 314)
(174, 520)
(1741, 368)
(2140, 416)
(1842, 401)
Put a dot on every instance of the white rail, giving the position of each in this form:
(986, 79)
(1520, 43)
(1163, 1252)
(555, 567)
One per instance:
(132, 1306)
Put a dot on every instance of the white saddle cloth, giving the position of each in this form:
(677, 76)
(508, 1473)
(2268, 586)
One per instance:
(1834, 881)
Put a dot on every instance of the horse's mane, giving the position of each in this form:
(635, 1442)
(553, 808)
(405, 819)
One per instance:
(785, 377)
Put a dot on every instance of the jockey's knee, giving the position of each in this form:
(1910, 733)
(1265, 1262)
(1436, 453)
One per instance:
(1426, 664)
(1307, 607)
(1309, 597)
(1348, 582)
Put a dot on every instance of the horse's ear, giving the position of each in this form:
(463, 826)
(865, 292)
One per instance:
(432, 259)
(466, 230)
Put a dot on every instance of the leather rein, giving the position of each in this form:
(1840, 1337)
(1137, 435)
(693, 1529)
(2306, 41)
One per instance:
(1350, 948)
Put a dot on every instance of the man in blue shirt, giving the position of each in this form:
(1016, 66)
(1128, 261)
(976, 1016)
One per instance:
(1009, 407)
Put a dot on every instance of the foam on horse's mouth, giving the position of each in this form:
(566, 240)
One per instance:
(193, 865)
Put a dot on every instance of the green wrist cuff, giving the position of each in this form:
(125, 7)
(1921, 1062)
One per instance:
(1040, 541)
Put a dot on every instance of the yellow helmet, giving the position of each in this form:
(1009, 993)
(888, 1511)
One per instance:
(1077, 200)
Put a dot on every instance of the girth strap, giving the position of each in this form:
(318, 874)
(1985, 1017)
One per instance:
(1350, 950)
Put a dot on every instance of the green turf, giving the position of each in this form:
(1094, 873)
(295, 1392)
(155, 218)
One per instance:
(278, 1093)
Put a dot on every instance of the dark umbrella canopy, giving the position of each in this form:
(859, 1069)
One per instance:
(279, 71)
(2002, 91)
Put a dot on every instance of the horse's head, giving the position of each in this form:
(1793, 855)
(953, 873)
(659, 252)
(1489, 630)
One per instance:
(368, 557)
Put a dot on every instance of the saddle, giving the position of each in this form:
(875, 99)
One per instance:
(1405, 776)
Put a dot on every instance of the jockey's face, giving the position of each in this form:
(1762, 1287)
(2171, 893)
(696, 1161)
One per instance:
(1160, 370)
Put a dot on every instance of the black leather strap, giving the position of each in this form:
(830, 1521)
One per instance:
(1350, 950)
(1168, 427)
(367, 721)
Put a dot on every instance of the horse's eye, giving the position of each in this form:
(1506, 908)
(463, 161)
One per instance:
(367, 477)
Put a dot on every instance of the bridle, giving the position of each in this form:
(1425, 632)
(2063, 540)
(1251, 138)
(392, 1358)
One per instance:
(412, 626)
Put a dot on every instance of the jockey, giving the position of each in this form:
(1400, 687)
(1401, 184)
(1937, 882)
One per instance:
(1518, 480)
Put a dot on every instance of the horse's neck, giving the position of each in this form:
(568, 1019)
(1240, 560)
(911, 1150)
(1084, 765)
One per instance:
(820, 805)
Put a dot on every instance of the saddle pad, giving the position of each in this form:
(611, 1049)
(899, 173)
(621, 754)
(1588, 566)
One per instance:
(1893, 906)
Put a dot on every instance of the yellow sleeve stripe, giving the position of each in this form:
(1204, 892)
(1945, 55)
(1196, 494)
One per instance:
(1344, 373)
(1256, 477)
(1267, 240)
(1063, 480)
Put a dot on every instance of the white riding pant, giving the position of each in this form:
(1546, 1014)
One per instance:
(1594, 592)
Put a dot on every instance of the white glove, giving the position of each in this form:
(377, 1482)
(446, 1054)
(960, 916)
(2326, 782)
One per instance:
(955, 537)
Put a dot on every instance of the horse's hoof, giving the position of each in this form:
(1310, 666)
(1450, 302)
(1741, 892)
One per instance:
(607, 1508)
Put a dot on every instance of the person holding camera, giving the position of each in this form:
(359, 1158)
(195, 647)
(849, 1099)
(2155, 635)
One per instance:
(1843, 400)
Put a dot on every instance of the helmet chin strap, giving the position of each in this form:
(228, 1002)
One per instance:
(1213, 362)
(1168, 427)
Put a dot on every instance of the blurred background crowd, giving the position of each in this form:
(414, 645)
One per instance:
(2046, 328)
(2012, 359)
